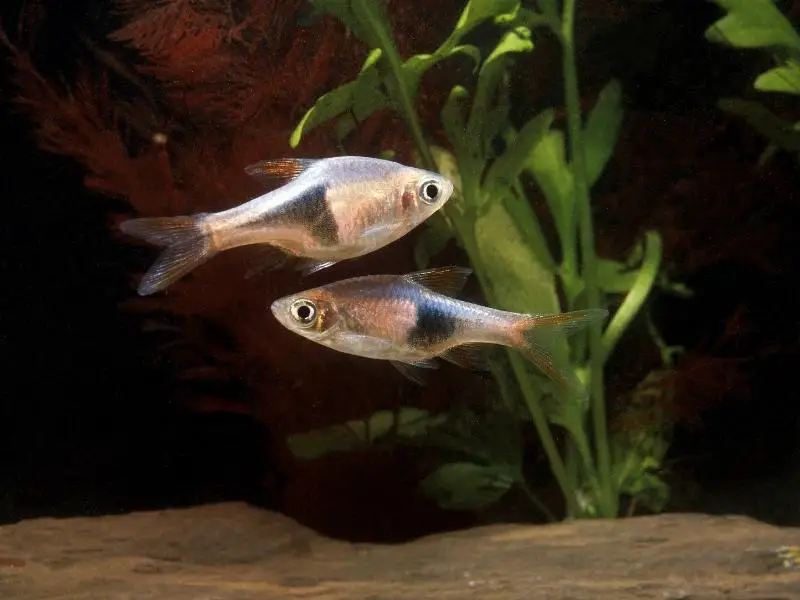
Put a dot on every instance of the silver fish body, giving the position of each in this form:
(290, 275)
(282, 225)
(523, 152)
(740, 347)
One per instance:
(328, 210)
(413, 319)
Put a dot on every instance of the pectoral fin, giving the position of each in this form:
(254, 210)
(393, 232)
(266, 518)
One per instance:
(309, 266)
(377, 231)
(415, 371)
(468, 356)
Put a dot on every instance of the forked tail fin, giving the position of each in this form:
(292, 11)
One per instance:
(537, 334)
(188, 245)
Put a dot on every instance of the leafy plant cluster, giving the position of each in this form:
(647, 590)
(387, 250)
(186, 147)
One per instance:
(758, 24)
(492, 220)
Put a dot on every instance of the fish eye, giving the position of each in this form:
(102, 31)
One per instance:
(304, 312)
(429, 191)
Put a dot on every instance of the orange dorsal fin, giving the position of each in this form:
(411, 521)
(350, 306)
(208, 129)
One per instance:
(279, 169)
(442, 280)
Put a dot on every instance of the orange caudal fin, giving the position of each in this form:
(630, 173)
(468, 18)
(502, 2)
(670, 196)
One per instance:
(539, 333)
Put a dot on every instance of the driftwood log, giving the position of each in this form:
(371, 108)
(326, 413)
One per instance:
(234, 551)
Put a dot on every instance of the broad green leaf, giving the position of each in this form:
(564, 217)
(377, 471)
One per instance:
(468, 486)
(412, 71)
(406, 422)
(782, 133)
(327, 107)
(346, 12)
(477, 11)
(602, 130)
(507, 167)
(495, 122)
(363, 91)
(469, 50)
(533, 19)
(453, 119)
(549, 167)
(780, 79)
(345, 125)
(513, 42)
(519, 281)
(753, 24)
(615, 277)
(367, 95)
(447, 165)
(520, 210)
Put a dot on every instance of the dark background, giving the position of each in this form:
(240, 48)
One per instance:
(85, 426)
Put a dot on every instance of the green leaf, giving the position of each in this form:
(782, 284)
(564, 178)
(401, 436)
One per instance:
(753, 24)
(520, 210)
(780, 79)
(615, 277)
(477, 11)
(782, 133)
(468, 486)
(447, 165)
(469, 50)
(345, 125)
(496, 121)
(602, 130)
(520, 281)
(412, 71)
(549, 167)
(513, 42)
(361, 96)
(353, 16)
(327, 106)
(506, 168)
(406, 422)
(367, 95)
(453, 119)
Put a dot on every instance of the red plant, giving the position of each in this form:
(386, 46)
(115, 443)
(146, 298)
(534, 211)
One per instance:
(217, 90)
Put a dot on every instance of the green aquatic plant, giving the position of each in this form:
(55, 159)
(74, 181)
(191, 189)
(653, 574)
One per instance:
(758, 24)
(493, 221)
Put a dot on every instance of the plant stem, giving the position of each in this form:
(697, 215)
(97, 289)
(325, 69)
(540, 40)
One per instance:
(545, 436)
(608, 500)
(465, 233)
(396, 67)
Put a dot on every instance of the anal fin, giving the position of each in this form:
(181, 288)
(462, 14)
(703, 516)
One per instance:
(468, 356)
(415, 371)
(263, 258)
